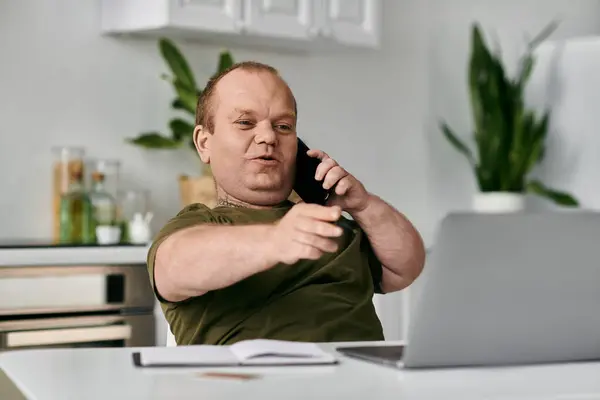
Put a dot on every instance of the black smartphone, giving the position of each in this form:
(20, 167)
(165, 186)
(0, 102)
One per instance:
(305, 185)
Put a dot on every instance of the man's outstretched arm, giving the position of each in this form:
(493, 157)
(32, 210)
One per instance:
(195, 260)
(206, 257)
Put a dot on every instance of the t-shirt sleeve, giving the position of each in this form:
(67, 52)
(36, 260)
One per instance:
(374, 263)
(191, 215)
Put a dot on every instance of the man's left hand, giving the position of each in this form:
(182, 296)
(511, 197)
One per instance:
(349, 193)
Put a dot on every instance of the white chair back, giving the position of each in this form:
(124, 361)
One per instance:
(171, 342)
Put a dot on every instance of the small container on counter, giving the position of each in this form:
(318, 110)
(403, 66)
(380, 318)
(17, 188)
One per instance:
(133, 208)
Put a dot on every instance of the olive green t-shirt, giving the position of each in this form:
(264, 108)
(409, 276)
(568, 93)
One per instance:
(326, 300)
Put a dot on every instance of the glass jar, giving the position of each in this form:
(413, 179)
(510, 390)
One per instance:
(67, 162)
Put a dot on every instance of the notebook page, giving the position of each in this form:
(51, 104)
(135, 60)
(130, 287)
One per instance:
(270, 351)
(289, 361)
(188, 356)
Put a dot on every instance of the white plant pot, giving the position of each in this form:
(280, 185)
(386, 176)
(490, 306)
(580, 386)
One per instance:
(498, 202)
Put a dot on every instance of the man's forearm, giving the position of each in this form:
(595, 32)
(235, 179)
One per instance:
(204, 258)
(395, 241)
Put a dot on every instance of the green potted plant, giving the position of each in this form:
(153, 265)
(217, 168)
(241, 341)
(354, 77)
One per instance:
(509, 137)
(192, 190)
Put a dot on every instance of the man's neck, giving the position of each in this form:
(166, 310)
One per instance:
(228, 202)
(225, 200)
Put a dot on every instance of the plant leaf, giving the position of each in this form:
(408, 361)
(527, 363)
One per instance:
(153, 140)
(527, 64)
(478, 74)
(188, 99)
(487, 89)
(538, 139)
(457, 143)
(178, 104)
(558, 197)
(225, 61)
(181, 129)
(543, 35)
(177, 62)
(188, 96)
(527, 61)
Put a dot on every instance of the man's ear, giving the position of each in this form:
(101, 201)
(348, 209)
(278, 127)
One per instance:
(201, 137)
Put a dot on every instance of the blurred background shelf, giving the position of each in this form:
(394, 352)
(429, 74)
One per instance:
(42, 253)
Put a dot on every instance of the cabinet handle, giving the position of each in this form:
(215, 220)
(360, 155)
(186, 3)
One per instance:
(65, 336)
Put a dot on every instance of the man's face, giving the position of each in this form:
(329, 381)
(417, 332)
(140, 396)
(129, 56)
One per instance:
(252, 150)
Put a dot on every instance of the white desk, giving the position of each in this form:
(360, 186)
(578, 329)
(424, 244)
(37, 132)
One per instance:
(68, 374)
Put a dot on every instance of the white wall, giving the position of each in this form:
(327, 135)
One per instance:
(508, 23)
(568, 82)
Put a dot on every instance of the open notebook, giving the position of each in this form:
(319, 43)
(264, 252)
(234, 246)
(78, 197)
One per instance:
(259, 352)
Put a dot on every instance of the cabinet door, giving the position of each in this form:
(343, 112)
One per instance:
(354, 22)
(209, 15)
(280, 18)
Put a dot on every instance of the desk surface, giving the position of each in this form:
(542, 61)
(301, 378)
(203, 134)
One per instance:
(67, 374)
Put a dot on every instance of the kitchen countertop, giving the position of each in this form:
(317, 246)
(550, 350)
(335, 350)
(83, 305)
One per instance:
(24, 253)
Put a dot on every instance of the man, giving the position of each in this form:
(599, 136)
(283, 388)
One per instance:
(258, 265)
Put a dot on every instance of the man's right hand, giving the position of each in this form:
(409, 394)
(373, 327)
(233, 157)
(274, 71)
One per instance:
(307, 231)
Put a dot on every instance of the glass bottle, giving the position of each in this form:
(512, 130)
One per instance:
(76, 225)
(110, 168)
(103, 203)
(66, 161)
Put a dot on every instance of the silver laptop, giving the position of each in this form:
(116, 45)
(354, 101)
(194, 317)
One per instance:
(504, 290)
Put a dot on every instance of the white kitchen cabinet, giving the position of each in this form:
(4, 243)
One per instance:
(163, 17)
(210, 15)
(284, 24)
(280, 18)
(352, 22)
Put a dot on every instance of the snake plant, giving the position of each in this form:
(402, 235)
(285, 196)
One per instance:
(186, 97)
(509, 137)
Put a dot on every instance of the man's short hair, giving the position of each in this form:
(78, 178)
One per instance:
(204, 111)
